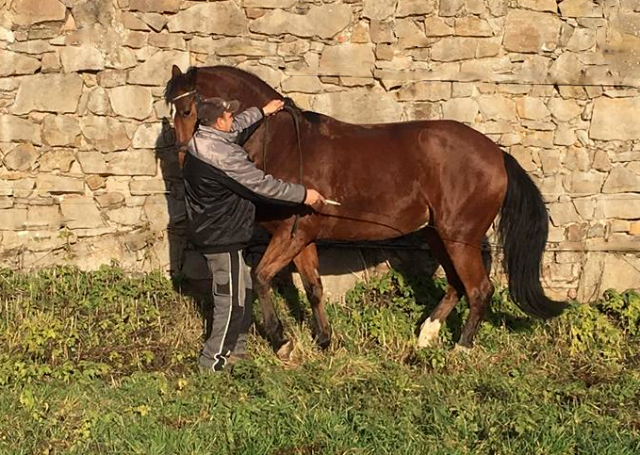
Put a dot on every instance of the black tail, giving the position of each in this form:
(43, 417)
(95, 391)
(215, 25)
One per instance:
(523, 230)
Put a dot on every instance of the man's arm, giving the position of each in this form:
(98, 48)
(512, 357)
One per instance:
(246, 118)
(256, 184)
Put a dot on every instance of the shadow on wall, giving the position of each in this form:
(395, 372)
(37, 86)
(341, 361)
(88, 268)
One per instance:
(340, 264)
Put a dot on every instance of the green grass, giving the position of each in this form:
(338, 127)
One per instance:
(104, 362)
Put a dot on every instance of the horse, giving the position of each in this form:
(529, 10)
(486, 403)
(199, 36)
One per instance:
(441, 178)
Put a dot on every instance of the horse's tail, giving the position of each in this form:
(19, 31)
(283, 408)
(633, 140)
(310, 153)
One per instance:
(523, 231)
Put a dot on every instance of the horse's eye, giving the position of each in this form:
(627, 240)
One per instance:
(186, 113)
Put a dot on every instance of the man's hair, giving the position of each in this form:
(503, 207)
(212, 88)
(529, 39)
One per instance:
(210, 109)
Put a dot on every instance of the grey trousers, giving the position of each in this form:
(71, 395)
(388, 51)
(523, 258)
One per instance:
(232, 309)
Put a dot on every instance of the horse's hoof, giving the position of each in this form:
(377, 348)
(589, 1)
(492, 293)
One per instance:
(461, 348)
(428, 333)
(284, 352)
(324, 341)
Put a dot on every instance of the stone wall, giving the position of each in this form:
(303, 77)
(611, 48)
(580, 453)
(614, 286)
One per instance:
(87, 176)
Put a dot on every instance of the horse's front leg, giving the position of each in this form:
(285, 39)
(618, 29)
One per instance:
(281, 250)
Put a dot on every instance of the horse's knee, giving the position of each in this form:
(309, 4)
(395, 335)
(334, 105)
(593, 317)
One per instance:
(261, 279)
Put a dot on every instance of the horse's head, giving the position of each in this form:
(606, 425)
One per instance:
(181, 92)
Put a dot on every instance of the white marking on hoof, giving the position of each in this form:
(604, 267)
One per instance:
(284, 353)
(428, 332)
(461, 349)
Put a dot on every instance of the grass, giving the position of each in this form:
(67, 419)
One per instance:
(104, 362)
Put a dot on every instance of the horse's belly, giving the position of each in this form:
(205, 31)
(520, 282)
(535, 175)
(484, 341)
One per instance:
(347, 222)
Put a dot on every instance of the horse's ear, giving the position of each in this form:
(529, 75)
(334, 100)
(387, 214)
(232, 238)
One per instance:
(175, 71)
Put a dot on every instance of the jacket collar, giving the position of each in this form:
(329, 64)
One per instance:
(210, 132)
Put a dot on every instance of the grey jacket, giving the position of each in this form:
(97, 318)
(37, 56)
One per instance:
(222, 185)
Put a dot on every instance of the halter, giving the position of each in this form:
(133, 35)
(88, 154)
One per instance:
(184, 95)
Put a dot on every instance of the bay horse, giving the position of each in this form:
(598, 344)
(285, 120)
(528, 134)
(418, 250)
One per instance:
(439, 177)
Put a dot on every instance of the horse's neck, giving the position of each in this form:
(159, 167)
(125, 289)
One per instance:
(242, 88)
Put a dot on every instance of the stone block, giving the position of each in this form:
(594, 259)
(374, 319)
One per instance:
(57, 184)
(155, 6)
(585, 183)
(425, 91)
(148, 186)
(244, 47)
(128, 216)
(410, 34)
(472, 26)
(80, 213)
(104, 133)
(120, 59)
(450, 7)
(56, 160)
(379, 9)
(152, 135)
(14, 64)
(324, 21)
(110, 201)
(60, 130)
(348, 60)
(615, 119)
(36, 94)
(415, 7)
(563, 213)
(302, 84)
(95, 182)
(219, 18)
(564, 110)
(539, 5)
(622, 206)
(622, 179)
(133, 162)
(17, 129)
(532, 108)
(531, 31)
(12, 219)
(580, 8)
(454, 48)
(436, 26)
(21, 158)
(497, 107)
(461, 109)
(81, 58)
(31, 12)
(157, 69)
(44, 217)
(168, 41)
(359, 105)
(269, 4)
(131, 101)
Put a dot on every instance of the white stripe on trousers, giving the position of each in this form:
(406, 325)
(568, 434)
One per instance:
(224, 336)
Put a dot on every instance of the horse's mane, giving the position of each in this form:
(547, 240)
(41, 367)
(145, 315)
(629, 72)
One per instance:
(252, 82)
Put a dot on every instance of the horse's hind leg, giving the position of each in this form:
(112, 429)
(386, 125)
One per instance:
(431, 326)
(307, 264)
(280, 252)
(471, 269)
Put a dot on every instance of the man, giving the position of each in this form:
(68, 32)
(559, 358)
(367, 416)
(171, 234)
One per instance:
(221, 187)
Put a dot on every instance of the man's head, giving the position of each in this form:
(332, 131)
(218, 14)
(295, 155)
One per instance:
(217, 113)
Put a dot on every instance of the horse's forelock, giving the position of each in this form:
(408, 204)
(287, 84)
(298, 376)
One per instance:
(185, 81)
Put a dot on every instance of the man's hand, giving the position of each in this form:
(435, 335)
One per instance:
(272, 107)
(314, 198)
